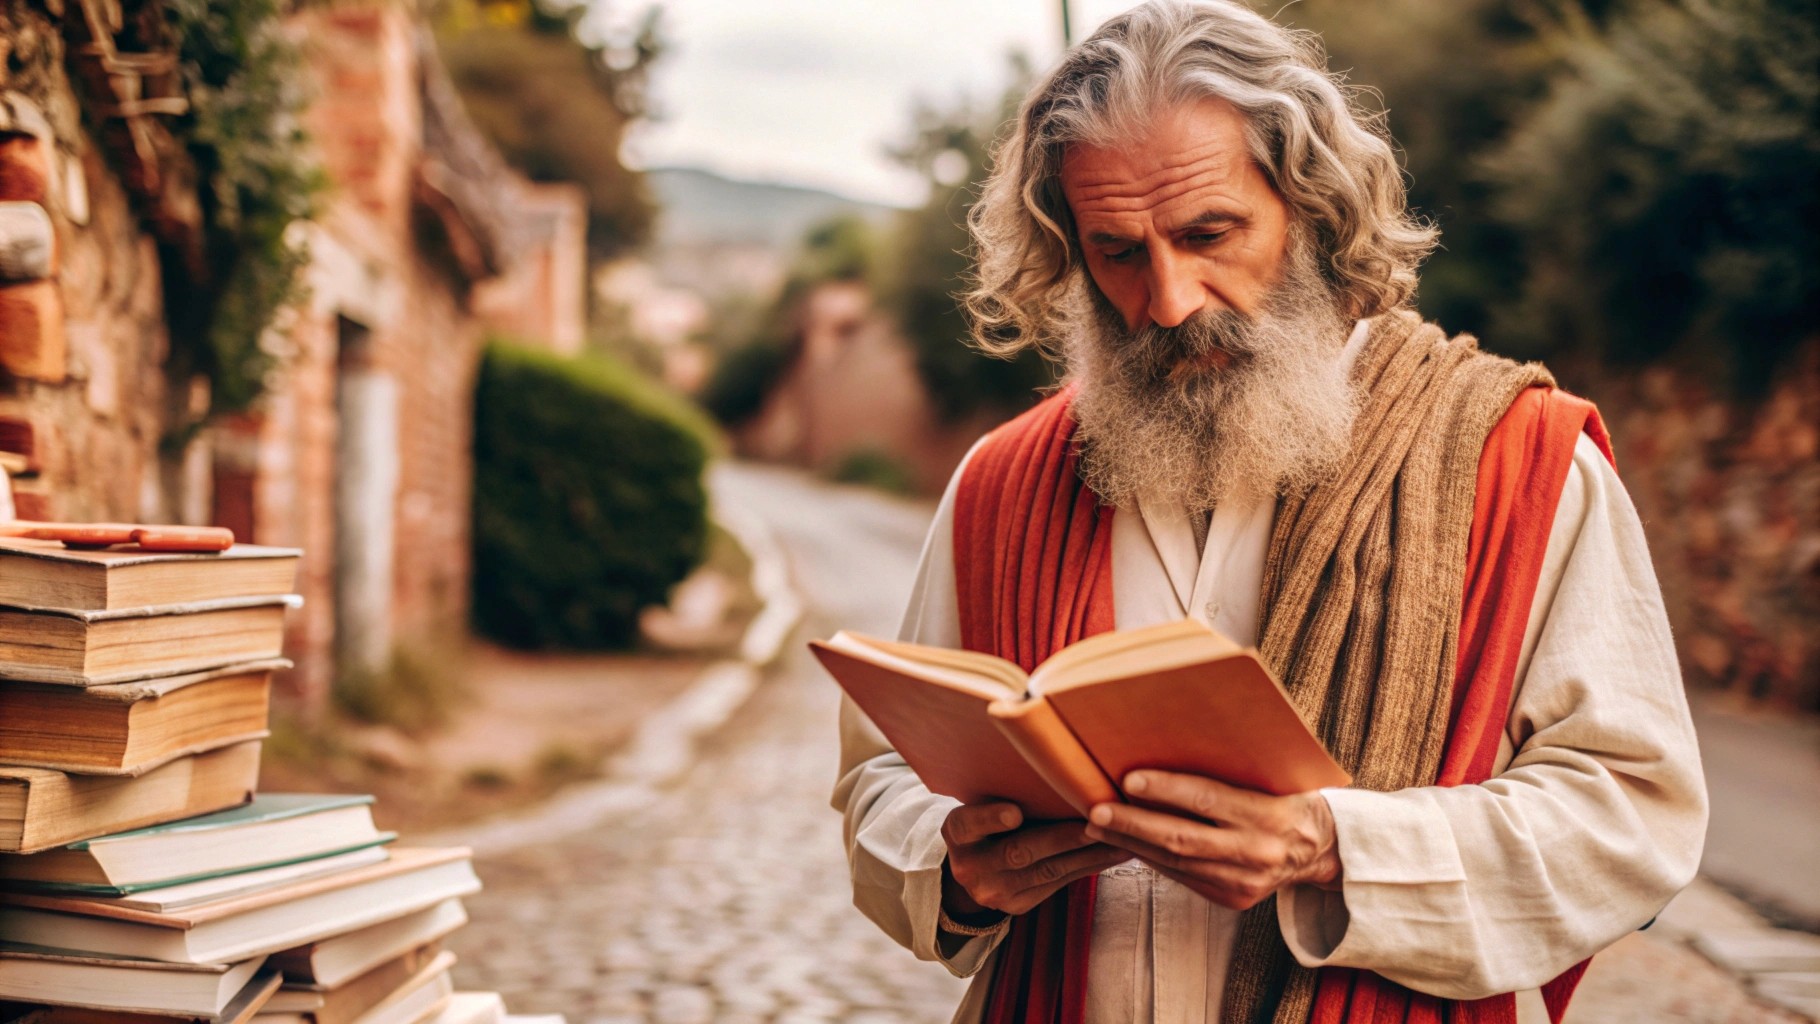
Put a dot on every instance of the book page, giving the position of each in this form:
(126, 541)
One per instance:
(1112, 656)
(983, 674)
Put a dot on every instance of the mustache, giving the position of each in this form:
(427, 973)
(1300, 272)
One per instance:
(1217, 340)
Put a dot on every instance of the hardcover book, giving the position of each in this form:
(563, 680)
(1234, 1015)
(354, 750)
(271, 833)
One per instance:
(417, 1001)
(249, 925)
(1177, 697)
(337, 960)
(353, 1000)
(70, 978)
(46, 574)
(273, 830)
(130, 728)
(41, 808)
(92, 648)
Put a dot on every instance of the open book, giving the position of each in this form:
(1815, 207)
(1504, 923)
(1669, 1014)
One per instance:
(1177, 697)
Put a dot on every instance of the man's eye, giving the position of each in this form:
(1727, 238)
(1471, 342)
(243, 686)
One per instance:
(1125, 255)
(1205, 237)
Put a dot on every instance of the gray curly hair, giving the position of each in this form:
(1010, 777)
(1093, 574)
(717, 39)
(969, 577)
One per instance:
(1328, 158)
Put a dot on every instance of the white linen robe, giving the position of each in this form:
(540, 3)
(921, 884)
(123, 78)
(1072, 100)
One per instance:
(1593, 820)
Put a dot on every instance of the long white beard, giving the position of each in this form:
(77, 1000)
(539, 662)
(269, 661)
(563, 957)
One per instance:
(1157, 418)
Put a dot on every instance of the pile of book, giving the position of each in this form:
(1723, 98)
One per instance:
(142, 878)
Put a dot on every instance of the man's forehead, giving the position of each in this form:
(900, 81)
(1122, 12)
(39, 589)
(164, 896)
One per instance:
(1178, 151)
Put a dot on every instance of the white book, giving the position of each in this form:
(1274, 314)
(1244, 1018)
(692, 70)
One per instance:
(246, 926)
(33, 974)
(209, 890)
(272, 830)
(472, 1008)
(417, 1001)
(338, 959)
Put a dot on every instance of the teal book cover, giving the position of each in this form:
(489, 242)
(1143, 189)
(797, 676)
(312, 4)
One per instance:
(264, 807)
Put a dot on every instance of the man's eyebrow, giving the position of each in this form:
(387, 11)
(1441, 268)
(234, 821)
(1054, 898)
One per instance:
(1109, 238)
(1209, 218)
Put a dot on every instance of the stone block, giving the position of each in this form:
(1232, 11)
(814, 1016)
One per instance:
(25, 168)
(32, 343)
(27, 242)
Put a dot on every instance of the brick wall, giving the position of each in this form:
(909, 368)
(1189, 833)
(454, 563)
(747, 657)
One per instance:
(82, 392)
(359, 453)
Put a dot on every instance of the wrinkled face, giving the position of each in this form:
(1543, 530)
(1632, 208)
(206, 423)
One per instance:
(1178, 221)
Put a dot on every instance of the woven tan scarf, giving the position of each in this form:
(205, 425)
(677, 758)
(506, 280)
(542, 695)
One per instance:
(1362, 594)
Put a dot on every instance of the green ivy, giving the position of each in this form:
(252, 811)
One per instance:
(244, 79)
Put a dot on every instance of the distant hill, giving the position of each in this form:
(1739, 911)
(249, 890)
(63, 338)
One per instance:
(699, 207)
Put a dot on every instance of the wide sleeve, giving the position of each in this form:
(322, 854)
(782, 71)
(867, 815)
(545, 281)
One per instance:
(892, 822)
(1595, 822)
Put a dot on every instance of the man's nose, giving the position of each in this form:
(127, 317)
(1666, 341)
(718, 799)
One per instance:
(1175, 294)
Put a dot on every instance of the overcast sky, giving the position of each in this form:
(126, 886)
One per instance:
(813, 91)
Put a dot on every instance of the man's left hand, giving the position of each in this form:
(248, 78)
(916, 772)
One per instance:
(1234, 846)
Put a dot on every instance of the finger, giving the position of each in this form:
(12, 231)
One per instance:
(1151, 854)
(1184, 837)
(1204, 876)
(1040, 881)
(971, 823)
(1196, 794)
(1029, 846)
(1233, 892)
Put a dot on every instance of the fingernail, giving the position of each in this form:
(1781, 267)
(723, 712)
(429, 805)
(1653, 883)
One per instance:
(1135, 782)
(1101, 815)
(1008, 818)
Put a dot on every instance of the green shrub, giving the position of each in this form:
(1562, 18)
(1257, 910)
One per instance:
(743, 379)
(870, 467)
(588, 498)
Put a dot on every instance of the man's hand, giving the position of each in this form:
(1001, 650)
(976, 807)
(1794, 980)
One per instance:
(1233, 846)
(996, 865)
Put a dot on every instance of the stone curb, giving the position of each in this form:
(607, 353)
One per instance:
(665, 744)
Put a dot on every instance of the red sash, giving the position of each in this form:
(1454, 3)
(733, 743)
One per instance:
(1033, 561)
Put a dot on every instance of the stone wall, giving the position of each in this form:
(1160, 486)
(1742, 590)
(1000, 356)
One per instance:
(83, 398)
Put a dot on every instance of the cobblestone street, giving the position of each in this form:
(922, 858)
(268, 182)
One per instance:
(725, 898)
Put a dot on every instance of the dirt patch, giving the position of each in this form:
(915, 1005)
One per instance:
(529, 724)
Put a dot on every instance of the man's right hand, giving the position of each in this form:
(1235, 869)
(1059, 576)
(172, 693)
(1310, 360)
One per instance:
(997, 865)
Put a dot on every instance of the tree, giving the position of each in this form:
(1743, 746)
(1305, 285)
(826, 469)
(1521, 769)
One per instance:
(930, 260)
(1663, 189)
(557, 101)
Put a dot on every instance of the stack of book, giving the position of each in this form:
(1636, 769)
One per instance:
(141, 877)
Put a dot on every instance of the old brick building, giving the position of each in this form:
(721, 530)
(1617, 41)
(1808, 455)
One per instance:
(359, 450)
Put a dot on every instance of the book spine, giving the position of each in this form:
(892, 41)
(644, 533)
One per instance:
(1051, 748)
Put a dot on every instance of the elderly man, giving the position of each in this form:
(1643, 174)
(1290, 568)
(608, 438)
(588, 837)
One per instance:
(1427, 543)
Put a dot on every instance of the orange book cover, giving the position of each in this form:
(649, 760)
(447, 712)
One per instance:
(1176, 697)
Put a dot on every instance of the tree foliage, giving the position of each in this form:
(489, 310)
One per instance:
(1617, 178)
(242, 77)
(557, 100)
(1664, 189)
(930, 260)
(842, 248)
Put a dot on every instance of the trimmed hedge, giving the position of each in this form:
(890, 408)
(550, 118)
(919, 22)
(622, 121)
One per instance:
(589, 503)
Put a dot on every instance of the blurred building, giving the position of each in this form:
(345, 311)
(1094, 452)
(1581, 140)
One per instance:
(851, 392)
(359, 452)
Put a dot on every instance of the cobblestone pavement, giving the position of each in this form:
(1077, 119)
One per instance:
(727, 900)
